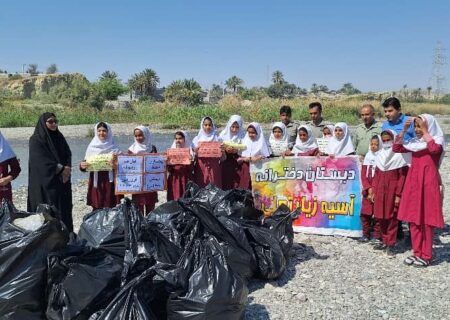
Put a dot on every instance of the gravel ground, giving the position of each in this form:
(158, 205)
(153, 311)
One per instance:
(335, 277)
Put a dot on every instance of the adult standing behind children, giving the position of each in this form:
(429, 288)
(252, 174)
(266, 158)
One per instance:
(291, 127)
(49, 169)
(365, 131)
(396, 119)
(9, 169)
(317, 122)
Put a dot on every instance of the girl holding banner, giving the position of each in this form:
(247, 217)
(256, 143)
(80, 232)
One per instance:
(421, 204)
(341, 143)
(305, 144)
(179, 174)
(143, 144)
(101, 183)
(278, 140)
(256, 149)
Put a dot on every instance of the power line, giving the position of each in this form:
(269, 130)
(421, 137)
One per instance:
(437, 75)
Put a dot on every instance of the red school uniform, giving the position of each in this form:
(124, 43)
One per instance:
(179, 176)
(366, 216)
(421, 204)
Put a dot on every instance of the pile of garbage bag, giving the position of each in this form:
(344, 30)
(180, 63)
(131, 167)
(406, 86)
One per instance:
(187, 259)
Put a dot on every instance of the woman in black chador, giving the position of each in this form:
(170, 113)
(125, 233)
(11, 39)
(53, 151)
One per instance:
(49, 169)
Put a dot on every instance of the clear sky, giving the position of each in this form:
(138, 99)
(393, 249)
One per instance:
(376, 45)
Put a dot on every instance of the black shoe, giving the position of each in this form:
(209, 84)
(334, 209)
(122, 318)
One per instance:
(390, 252)
(380, 246)
(363, 239)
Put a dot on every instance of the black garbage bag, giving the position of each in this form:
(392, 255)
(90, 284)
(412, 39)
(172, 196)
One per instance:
(228, 233)
(81, 281)
(280, 225)
(23, 261)
(213, 289)
(105, 229)
(270, 259)
(144, 297)
(174, 222)
(218, 201)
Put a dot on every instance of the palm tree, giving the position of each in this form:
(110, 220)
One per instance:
(314, 88)
(429, 91)
(149, 81)
(108, 75)
(278, 77)
(234, 83)
(144, 83)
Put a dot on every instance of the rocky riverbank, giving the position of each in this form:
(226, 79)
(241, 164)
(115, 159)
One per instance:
(338, 278)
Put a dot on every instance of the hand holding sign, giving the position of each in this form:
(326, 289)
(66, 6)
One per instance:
(180, 156)
(211, 149)
(99, 162)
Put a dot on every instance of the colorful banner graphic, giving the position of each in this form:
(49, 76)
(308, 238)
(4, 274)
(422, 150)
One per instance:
(326, 190)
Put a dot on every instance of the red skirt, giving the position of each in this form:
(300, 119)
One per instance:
(206, 171)
(103, 195)
(179, 176)
(231, 172)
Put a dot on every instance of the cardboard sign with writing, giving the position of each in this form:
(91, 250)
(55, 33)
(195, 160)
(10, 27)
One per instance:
(142, 173)
(128, 183)
(322, 143)
(154, 163)
(100, 162)
(209, 150)
(178, 156)
(129, 164)
(154, 182)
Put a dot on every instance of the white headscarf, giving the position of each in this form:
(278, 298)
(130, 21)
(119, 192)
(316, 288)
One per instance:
(310, 144)
(187, 141)
(97, 146)
(279, 145)
(6, 152)
(331, 127)
(202, 136)
(227, 135)
(416, 144)
(341, 147)
(137, 147)
(371, 157)
(387, 159)
(258, 147)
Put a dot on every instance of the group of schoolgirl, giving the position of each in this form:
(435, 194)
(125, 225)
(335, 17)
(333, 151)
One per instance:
(401, 182)
(240, 145)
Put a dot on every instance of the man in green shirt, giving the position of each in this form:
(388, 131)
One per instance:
(365, 131)
(317, 123)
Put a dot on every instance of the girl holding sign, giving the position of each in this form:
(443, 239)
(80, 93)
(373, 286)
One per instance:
(341, 143)
(232, 137)
(9, 169)
(421, 204)
(143, 144)
(387, 188)
(207, 168)
(256, 150)
(179, 174)
(305, 144)
(101, 183)
(278, 140)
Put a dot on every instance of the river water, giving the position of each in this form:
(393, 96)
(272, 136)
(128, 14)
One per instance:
(78, 147)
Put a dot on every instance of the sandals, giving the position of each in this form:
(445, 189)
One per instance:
(410, 260)
(421, 263)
